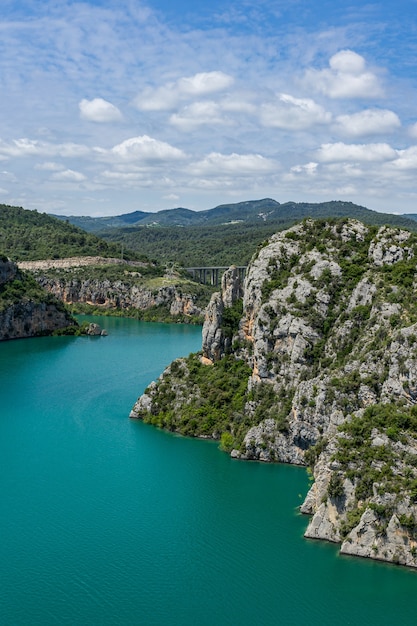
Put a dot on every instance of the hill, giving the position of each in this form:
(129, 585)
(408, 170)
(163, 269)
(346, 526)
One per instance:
(28, 235)
(316, 366)
(225, 235)
(254, 211)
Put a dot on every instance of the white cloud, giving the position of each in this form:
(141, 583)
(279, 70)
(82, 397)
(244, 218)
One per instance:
(235, 120)
(204, 83)
(144, 149)
(309, 168)
(49, 166)
(236, 164)
(337, 152)
(407, 159)
(346, 78)
(347, 62)
(29, 147)
(412, 131)
(291, 113)
(368, 122)
(68, 176)
(99, 110)
(198, 114)
(168, 96)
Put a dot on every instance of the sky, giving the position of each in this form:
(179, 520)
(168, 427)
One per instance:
(113, 106)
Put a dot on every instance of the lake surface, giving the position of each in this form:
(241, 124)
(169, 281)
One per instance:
(107, 521)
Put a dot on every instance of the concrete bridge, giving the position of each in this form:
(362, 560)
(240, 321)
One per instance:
(212, 275)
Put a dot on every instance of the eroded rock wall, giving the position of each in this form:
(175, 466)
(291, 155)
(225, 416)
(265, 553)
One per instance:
(329, 331)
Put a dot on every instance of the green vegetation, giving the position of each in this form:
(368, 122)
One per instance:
(335, 489)
(225, 235)
(231, 318)
(24, 288)
(196, 246)
(213, 400)
(366, 464)
(29, 235)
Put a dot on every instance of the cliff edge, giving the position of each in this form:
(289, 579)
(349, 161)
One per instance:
(26, 310)
(316, 365)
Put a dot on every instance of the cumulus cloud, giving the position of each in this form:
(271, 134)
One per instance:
(407, 159)
(29, 147)
(346, 77)
(143, 149)
(334, 152)
(168, 96)
(368, 122)
(99, 110)
(198, 114)
(291, 113)
(68, 176)
(237, 164)
(308, 168)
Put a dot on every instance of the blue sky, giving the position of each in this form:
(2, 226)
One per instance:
(112, 106)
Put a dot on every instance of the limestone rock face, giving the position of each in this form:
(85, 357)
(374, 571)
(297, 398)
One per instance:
(8, 271)
(329, 335)
(390, 246)
(119, 294)
(30, 315)
(215, 343)
(29, 319)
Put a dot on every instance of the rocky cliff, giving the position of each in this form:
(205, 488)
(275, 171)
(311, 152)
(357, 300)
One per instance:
(108, 294)
(112, 284)
(26, 310)
(320, 370)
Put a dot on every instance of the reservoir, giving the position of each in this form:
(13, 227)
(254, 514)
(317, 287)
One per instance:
(108, 521)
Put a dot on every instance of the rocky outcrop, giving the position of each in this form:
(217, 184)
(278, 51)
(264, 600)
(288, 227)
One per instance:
(329, 332)
(8, 271)
(95, 330)
(216, 341)
(31, 319)
(120, 295)
(25, 309)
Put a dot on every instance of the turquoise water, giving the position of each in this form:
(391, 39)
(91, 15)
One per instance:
(105, 521)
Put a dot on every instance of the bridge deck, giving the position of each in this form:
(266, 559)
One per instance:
(212, 275)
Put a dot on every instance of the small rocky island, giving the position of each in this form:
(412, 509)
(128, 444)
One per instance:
(313, 361)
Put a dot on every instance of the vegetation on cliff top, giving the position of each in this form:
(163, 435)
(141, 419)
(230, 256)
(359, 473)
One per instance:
(327, 345)
(28, 235)
(114, 283)
(212, 398)
(24, 288)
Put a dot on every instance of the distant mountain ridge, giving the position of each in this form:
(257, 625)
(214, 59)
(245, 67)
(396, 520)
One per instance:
(262, 211)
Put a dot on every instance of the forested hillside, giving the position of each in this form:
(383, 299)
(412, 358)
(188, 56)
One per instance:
(28, 235)
(225, 235)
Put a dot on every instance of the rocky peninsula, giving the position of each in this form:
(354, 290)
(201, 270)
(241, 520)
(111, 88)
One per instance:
(313, 361)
